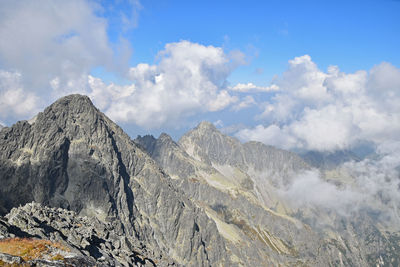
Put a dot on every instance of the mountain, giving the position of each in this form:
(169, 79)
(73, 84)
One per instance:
(238, 185)
(266, 165)
(72, 156)
(75, 183)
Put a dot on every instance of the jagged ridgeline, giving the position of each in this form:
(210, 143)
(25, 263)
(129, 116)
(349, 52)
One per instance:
(72, 156)
(206, 200)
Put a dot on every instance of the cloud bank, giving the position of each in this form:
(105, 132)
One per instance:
(188, 78)
(371, 185)
(47, 49)
(325, 111)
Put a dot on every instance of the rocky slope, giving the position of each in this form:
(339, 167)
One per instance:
(237, 183)
(267, 166)
(72, 156)
(84, 241)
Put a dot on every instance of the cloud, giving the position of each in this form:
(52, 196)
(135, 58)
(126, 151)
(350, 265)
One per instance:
(188, 78)
(250, 87)
(308, 189)
(326, 111)
(48, 49)
(15, 100)
(52, 46)
(272, 134)
(45, 39)
(246, 102)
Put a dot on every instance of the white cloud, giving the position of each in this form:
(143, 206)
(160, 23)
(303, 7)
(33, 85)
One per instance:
(45, 39)
(15, 100)
(250, 87)
(309, 189)
(246, 102)
(330, 110)
(52, 46)
(371, 185)
(272, 134)
(189, 78)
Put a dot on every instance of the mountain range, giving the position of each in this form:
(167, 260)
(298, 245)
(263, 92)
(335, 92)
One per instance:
(205, 200)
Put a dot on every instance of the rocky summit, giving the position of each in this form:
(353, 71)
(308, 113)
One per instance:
(75, 185)
(73, 157)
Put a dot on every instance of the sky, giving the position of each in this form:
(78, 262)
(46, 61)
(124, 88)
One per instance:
(299, 75)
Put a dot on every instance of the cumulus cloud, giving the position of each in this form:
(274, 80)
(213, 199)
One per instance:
(45, 39)
(50, 48)
(189, 78)
(326, 111)
(15, 100)
(250, 87)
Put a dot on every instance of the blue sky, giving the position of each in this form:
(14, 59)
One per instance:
(259, 70)
(351, 34)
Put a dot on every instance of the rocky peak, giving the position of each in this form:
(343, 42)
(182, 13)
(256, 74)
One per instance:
(206, 126)
(207, 144)
(74, 157)
(165, 138)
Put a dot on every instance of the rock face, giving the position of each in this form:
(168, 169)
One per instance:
(266, 165)
(72, 156)
(237, 185)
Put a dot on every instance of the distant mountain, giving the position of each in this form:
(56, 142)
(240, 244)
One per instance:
(266, 165)
(238, 186)
(329, 160)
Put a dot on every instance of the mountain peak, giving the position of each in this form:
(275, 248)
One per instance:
(74, 102)
(165, 137)
(206, 125)
(73, 99)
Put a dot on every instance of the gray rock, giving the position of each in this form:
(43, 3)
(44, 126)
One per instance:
(89, 241)
(6, 258)
(211, 168)
(72, 156)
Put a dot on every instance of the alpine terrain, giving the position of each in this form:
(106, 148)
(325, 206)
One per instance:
(71, 177)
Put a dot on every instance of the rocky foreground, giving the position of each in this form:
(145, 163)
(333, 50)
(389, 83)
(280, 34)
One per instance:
(75, 240)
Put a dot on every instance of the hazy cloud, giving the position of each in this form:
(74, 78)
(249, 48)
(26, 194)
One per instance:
(370, 185)
(246, 102)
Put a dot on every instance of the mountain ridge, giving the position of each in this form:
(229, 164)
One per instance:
(74, 157)
(206, 200)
